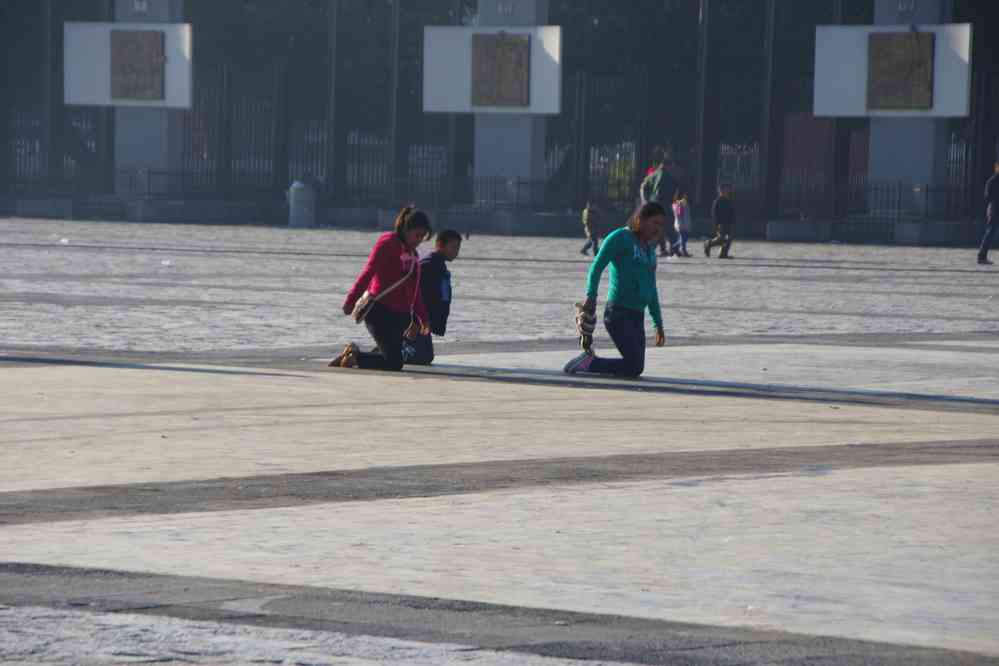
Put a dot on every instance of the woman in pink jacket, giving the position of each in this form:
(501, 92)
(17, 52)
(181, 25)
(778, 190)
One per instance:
(391, 279)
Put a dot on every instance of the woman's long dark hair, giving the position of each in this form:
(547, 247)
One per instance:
(410, 218)
(651, 209)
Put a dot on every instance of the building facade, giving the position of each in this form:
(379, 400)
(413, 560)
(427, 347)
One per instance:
(330, 91)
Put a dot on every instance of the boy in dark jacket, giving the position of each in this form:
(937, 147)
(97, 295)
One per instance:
(435, 287)
(723, 212)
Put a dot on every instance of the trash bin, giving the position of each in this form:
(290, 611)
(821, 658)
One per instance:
(301, 205)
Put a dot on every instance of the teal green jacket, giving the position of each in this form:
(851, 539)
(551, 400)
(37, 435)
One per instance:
(632, 273)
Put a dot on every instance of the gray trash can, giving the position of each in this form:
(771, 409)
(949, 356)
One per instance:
(301, 205)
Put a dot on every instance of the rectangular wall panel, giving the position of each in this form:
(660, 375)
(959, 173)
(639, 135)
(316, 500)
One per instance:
(448, 70)
(841, 71)
(88, 64)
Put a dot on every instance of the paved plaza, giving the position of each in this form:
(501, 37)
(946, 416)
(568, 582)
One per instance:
(806, 474)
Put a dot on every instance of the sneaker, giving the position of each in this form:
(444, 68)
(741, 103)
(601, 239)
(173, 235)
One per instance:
(707, 248)
(725, 256)
(579, 364)
(984, 261)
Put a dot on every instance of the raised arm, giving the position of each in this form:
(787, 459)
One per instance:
(645, 190)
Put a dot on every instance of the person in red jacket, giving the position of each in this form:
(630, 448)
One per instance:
(392, 279)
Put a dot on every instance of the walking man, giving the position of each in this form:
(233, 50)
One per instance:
(660, 187)
(991, 215)
(723, 212)
(591, 227)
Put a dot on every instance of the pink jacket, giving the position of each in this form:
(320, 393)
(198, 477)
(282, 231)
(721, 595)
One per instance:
(388, 262)
(681, 215)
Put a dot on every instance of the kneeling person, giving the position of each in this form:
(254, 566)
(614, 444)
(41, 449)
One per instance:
(435, 285)
(630, 253)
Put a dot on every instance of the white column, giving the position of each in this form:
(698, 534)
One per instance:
(511, 147)
(909, 150)
(146, 138)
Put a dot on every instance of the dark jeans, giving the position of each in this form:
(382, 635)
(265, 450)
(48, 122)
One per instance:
(668, 240)
(990, 233)
(723, 238)
(627, 330)
(681, 243)
(591, 242)
(418, 351)
(387, 328)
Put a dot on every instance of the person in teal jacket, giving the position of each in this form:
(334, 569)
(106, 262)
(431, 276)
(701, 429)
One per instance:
(631, 254)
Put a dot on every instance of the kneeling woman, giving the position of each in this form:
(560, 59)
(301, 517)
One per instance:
(390, 283)
(630, 251)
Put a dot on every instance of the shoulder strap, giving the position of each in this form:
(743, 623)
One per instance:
(398, 284)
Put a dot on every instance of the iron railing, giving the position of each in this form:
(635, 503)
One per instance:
(871, 211)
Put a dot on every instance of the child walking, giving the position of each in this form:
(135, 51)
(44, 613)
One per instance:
(681, 212)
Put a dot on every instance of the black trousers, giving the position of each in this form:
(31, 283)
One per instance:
(669, 237)
(418, 351)
(723, 238)
(627, 330)
(990, 232)
(387, 328)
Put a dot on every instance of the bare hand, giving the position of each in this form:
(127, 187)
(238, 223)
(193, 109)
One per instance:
(660, 337)
(412, 331)
(424, 329)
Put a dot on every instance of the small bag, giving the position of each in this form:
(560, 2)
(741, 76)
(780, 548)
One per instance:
(362, 308)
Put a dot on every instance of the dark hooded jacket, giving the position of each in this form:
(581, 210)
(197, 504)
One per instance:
(435, 285)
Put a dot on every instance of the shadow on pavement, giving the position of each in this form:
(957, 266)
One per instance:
(716, 388)
(119, 365)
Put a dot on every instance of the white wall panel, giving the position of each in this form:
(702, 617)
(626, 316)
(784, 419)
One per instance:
(841, 71)
(87, 67)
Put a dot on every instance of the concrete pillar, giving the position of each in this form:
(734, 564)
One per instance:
(511, 147)
(909, 150)
(706, 98)
(148, 139)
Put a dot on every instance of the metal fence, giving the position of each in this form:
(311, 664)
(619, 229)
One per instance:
(28, 146)
(864, 211)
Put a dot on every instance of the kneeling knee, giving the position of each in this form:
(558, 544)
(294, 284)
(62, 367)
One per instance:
(633, 370)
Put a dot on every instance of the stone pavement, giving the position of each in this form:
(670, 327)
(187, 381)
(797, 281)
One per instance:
(155, 288)
(805, 475)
